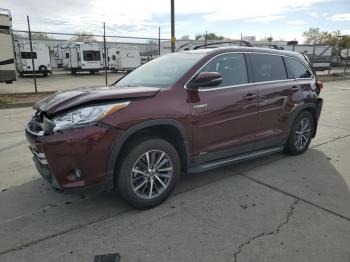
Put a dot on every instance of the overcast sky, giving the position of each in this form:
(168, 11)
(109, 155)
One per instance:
(285, 19)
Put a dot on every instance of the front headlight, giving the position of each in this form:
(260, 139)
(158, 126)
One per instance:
(85, 115)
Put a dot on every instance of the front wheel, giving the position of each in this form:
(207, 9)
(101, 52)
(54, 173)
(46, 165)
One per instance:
(148, 172)
(300, 134)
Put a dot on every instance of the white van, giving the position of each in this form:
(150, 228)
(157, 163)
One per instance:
(7, 59)
(80, 56)
(41, 55)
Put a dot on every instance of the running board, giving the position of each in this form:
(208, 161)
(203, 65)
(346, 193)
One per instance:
(235, 159)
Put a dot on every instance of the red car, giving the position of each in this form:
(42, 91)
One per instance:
(189, 111)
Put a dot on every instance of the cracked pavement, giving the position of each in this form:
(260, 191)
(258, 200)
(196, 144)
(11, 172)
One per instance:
(277, 208)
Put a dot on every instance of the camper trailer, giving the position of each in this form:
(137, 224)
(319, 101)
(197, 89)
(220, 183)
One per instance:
(124, 58)
(58, 55)
(41, 56)
(319, 55)
(78, 57)
(7, 61)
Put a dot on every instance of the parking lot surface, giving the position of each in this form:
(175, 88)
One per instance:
(278, 208)
(59, 80)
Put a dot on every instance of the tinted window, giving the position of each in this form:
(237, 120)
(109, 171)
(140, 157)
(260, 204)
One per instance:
(91, 55)
(232, 67)
(27, 55)
(67, 55)
(268, 68)
(296, 69)
(163, 71)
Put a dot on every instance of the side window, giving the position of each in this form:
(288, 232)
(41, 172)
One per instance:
(296, 69)
(232, 67)
(113, 57)
(28, 55)
(67, 55)
(268, 67)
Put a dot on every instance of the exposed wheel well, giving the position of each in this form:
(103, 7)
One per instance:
(166, 132)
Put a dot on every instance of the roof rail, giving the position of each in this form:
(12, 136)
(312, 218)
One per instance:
(240, 42)
(272, 46)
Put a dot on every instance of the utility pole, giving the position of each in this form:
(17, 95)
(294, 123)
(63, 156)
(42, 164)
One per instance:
(32, 55)
(159, 41)
(173, 39)
(105, 51)
(205, 38)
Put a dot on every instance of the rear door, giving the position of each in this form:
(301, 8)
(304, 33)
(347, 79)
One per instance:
(224, 117)
(277, 96)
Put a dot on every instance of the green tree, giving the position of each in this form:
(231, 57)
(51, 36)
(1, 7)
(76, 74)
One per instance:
(41, 35)
(315, 35)
(210, 36)
(83, 36)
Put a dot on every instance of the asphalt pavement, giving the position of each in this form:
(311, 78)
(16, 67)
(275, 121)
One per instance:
(277, 208)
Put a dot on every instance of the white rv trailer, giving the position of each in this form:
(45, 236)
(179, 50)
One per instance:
(321, 60)
(124, 58)
(81, 56)
(7, 59)
(58, 55)
(41, 56)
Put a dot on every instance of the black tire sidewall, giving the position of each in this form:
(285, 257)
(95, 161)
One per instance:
(124, 171)
(290, 146)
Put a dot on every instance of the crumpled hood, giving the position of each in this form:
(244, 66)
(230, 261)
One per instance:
(64, 100)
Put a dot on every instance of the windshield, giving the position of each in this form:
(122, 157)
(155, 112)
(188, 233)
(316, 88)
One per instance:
(161, 72)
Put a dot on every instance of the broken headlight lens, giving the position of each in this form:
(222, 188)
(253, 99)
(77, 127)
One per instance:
(85, 116)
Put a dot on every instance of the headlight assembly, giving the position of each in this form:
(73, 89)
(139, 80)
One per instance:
(85, 116)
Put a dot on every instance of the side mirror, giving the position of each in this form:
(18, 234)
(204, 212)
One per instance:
(205, 79)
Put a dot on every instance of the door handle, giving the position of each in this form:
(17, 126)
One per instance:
(294, 88)
(249, 97)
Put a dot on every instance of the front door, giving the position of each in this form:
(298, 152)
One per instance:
(225, 117)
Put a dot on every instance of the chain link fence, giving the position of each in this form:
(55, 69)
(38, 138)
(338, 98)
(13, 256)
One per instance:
(51, 61)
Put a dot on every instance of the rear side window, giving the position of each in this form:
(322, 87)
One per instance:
(296, 69)
(232, 67)
(27, 55)
(268, 67)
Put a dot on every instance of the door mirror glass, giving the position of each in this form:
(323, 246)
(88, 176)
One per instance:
(205, 79)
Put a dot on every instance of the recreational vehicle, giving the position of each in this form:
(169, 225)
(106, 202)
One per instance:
(124, 58)
(319, 55)
(7, 61)
(41, 57)
(58, 55)
(80, 56)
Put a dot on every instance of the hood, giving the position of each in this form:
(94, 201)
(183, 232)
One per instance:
(64, 100)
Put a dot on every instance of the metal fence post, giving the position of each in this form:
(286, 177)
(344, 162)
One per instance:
(105, 51)
(313, 53)
(346, 60)
(32, 55)
(159, 41)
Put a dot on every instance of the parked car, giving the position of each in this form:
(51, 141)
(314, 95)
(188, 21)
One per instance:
(184, 112)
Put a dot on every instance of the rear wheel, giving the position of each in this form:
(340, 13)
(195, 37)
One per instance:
(148, 172)
(301, 134)
(43, 71)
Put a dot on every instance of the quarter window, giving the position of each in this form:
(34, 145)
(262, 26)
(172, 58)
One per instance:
(232, 67)
(268, 68)
(296, 69)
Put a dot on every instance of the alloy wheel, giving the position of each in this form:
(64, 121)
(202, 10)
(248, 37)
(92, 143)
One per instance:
(151, 174)
(302, 133)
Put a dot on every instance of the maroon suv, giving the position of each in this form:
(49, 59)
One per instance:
(188, 111)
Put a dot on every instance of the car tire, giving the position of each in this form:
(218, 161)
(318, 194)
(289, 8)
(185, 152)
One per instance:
(301, 134)
(43, 71)
(148, 172)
